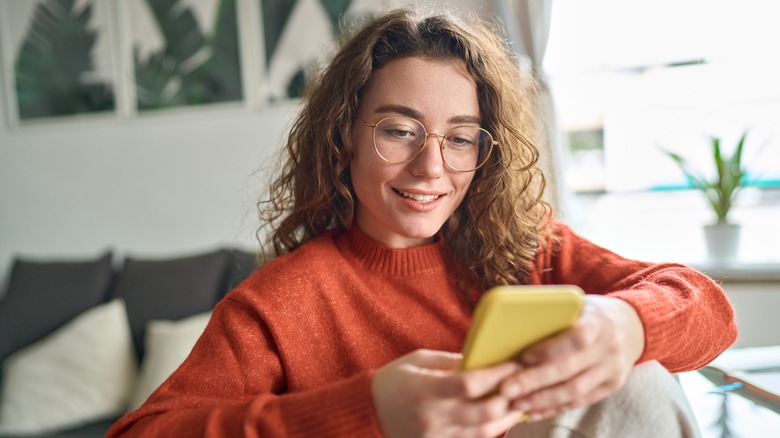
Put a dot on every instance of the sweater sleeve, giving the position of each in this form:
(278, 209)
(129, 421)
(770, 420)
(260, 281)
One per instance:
(687, 319)
(233, 384)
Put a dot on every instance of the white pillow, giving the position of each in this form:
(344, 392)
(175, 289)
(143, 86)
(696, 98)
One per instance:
(81, 373)
(166, 345)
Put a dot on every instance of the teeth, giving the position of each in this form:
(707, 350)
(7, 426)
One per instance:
(418, 197)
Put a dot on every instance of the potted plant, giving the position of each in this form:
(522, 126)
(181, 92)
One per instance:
(722, 236)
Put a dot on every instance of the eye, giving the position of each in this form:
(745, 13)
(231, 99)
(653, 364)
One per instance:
(399, 130)
(460, 141)
(400, 133)
(463, 138)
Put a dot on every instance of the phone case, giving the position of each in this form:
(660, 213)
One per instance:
(509, 319)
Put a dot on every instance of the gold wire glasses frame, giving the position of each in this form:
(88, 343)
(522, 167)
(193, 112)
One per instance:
(398, 139)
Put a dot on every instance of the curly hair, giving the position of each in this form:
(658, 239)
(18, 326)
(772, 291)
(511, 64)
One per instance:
(502, 222)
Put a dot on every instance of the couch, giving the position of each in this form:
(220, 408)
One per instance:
(82, 342)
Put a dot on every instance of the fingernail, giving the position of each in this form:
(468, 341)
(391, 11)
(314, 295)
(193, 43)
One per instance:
(522, 406)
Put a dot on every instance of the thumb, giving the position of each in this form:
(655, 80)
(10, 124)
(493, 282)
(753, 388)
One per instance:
(434, 360)
(474, 384)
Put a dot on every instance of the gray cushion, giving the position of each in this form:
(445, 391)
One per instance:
(169, 289)
(43, 295)
(97, 429)
(241, 265)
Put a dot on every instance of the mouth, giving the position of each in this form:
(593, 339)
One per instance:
(417, 196)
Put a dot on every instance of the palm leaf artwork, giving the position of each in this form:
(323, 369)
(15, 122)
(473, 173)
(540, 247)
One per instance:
(335, 10)
(730, 175)
(190, 69)
(54, 70)
(223, 70)
(276, 14)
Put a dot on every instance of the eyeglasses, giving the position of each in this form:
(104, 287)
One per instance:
(464, 148)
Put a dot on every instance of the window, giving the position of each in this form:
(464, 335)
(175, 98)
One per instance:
(632, 78)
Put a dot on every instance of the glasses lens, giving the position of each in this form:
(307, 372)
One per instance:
(398, 139)
(466, 147)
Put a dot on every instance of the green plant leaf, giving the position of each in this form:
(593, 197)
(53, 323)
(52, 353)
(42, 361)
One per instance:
(697, 181)
(54, 62)
(335, 10)
(275, 16)
(155, 81)
(730, 175)
(183, 38)
(190, 69)
(162, 79)
(221, 74)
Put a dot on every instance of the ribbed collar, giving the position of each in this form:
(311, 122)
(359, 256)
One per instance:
(408, 261)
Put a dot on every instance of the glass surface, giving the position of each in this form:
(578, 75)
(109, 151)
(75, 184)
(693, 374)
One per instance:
(464, 148)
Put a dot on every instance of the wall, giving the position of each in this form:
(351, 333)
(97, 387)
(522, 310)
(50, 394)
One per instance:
(755, 304)
(667, 227)
(159, 185)
(173, 183)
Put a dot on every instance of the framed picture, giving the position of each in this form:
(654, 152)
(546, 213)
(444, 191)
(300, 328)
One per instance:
(184, 52)
(56, 58)
(297, 34)
(122, 58)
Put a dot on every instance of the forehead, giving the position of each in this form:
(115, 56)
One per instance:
(431, 87)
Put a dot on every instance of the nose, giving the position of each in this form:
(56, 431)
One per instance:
(429, 164)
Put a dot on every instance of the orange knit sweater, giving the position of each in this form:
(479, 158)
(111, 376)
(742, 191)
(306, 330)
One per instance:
(291, 351)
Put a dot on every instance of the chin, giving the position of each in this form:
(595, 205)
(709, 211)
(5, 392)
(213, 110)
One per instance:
(421, 233)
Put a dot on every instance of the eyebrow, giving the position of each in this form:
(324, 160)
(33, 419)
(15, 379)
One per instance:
(409, 112)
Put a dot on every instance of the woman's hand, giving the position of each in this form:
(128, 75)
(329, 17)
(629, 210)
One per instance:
(580, 366)
(422, 394)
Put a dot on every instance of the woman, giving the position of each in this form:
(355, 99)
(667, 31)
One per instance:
(410, 187)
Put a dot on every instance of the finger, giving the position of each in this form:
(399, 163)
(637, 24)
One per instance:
(595, 396)
(569, 393)
(497, 427)
(484, 410)
(482, 381)
(473, 384)
(434, 360)
(579, 338)
(548, 413)
(532, 379)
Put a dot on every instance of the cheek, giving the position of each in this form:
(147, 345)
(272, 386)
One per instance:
(360, 149)
(463, 183)
(363, 169)
(356, 175)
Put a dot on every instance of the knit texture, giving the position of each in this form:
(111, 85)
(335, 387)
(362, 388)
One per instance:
(291, 351)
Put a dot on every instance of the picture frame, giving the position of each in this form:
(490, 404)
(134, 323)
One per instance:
(249, 53)
(57, 59)
(182, 53)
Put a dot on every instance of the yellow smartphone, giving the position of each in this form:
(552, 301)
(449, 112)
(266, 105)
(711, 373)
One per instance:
(508, 319)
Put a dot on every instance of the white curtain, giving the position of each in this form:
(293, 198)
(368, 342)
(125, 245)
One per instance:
(527, 24)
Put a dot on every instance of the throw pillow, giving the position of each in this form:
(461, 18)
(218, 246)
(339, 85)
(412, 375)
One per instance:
(41, 296)
(81, 373)
(167, 344)
(169, 289)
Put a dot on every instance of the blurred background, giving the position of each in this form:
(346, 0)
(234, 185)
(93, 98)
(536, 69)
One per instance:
(151, 127)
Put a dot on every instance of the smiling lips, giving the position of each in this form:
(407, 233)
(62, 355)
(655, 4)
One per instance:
(418, 197)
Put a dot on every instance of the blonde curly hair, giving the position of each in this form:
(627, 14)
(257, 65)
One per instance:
(502, 222)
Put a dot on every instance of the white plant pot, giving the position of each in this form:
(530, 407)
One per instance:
(722, 241)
